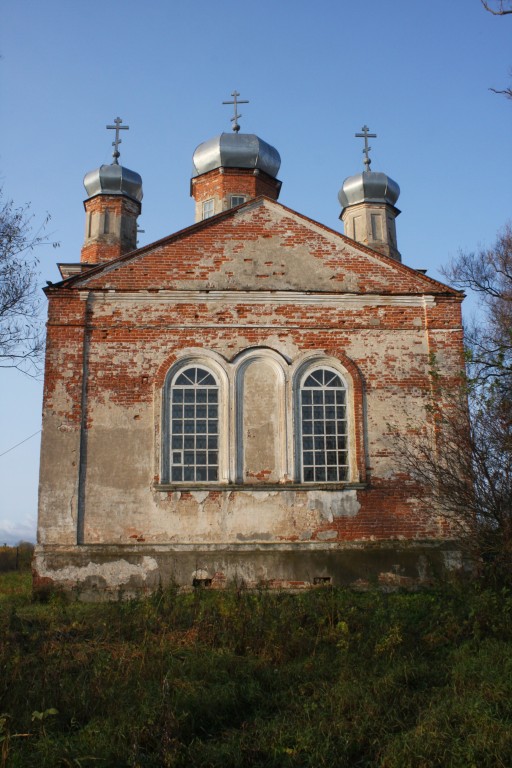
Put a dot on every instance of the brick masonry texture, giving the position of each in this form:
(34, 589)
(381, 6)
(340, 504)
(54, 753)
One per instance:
(257, 280)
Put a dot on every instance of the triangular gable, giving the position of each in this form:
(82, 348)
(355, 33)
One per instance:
(260, 245)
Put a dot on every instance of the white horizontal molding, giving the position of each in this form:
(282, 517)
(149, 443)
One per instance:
(297, 298)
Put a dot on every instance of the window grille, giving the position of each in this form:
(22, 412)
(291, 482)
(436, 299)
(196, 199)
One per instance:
(194, 432)
(323, 424)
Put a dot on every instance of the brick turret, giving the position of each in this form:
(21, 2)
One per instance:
(231, 169)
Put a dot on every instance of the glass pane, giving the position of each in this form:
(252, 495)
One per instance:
(189, 411)
(212, 473)
(200, 427)
(320, 474)
(212, 457)
(189, 396)
(308, 474)
(306, 397)
(201, 473)
(202, 394)
(213, 396)
(177, 427)
(177, 411)
(188, 474)
(177, 474)
(189, 427)
(177, 396)
(177, 441)
(307, 412)
(201, 457)
(318, 396)
(200, 441)
(189, 441)
(213, 426)
(332, 473)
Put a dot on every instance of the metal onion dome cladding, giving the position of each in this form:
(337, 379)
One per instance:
(236, 150)
(368, 187)
(114, 180)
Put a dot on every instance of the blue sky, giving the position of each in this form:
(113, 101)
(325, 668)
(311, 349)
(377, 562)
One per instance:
(417, 73)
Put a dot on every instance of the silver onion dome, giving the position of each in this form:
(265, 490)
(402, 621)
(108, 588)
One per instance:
(368, 187)
(236, 150)
(113, 180)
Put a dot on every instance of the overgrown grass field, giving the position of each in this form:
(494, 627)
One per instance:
(238, 679)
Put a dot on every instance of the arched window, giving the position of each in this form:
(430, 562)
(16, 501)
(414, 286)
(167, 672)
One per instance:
(322, 411)
(193, 432)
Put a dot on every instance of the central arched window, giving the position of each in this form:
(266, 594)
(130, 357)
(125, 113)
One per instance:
(323, 427)
(194, 426)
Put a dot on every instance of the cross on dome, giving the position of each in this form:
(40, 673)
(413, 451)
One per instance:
(366, 135)
(117, 141)
(236, 102)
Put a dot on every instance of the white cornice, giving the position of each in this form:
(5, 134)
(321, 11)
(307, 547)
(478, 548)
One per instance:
(297, 298)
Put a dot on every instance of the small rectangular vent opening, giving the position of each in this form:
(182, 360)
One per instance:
(319, 580)
(201, 583)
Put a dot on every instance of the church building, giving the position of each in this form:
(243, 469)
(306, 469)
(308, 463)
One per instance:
(219, 405)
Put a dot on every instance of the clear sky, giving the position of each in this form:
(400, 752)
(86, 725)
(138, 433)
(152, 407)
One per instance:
(417, 73)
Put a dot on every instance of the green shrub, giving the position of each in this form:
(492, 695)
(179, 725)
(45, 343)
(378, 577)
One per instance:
(234, 678)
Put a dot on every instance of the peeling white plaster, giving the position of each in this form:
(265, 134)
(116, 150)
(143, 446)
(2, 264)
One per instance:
(200, 496)
(116, 573)
(334, 504)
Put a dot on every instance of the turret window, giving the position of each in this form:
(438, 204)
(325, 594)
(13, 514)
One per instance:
(236, 200)
(208, 210)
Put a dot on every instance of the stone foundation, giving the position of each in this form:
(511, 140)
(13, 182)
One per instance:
(107, 572)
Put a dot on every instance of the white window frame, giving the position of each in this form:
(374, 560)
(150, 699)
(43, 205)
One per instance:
(212, 367)
(302, 370)
(208, 208)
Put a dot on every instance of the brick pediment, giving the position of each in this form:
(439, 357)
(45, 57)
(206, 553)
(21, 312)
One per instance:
(260, 246)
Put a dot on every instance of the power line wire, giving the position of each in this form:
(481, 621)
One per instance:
(21, 443)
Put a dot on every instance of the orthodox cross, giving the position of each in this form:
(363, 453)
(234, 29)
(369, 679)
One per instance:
(117, 141)
(236, 102)
(365, 135)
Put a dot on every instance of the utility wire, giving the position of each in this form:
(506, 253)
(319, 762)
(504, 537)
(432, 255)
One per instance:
(23, 441)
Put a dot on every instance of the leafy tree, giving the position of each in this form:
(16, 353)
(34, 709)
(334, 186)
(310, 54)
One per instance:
(21, 340)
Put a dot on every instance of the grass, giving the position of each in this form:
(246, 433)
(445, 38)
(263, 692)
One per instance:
(232, 679)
